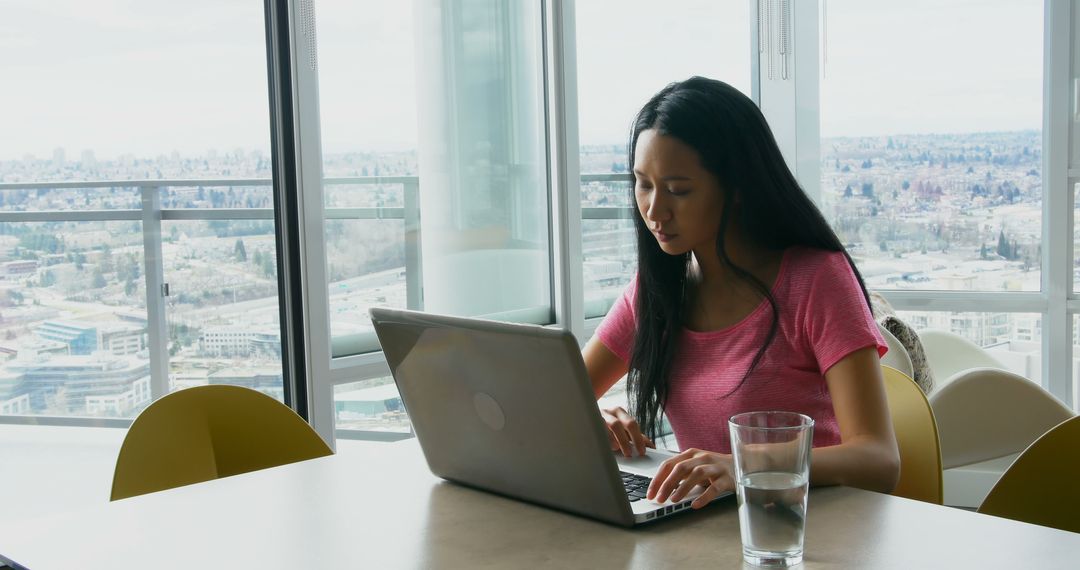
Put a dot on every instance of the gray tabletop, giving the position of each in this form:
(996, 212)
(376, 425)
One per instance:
(379, 507)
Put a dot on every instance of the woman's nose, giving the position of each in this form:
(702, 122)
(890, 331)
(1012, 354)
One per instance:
(655, 209)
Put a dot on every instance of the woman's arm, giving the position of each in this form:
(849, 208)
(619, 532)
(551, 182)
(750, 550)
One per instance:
(867, 456)
(605, 368)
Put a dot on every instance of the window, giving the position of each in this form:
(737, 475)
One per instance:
(138, 168)
(1015, 339)
(626, 52)
(141, 169)
(435, 168)
(932, 168)
(931, 162)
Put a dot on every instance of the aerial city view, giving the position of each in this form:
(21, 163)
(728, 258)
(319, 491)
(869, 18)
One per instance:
(943, 212)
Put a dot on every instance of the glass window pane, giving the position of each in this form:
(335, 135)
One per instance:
(435, 158)
(371, 405)
(116, 91)
(1075, 362)
(616, 75)
(1076, 236)
(73, 321)
(931, 161)
(1015, 339)
(222, 309)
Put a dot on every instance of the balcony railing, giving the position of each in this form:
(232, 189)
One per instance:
(151, 214)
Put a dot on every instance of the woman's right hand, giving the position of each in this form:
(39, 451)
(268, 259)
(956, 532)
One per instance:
(624, 432)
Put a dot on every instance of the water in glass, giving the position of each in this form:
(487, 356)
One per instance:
(772, 515)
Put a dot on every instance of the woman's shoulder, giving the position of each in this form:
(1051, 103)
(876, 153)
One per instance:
(804, 260)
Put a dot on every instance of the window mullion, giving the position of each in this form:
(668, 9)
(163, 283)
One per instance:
(308, 318)
(787, 50)
(1057, 201)
(156, 317)
(564, 167)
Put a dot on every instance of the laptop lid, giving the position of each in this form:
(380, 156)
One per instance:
(504, 407)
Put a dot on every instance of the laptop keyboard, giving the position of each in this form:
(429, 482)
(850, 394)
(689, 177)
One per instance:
(635, 485)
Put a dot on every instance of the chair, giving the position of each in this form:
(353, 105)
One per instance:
(206, 432)
(898, 356)
(916, 436)
(985, 413)
(986, 417)
(1040, 486)
(948, 353)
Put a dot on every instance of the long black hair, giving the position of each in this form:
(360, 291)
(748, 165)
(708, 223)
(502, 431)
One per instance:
(734, 144)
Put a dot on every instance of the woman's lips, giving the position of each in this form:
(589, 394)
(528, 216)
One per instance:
(663, 237)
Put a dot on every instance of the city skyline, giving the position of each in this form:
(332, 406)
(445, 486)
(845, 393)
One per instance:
(914, 211)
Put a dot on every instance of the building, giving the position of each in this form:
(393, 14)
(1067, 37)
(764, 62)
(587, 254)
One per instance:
(13, 399)
(984, 329)
(118, 338)
(18, 269)
(122, 338)
(81, 338)
(266, 343)
(225, 341)
(95, 384)
(266, 380)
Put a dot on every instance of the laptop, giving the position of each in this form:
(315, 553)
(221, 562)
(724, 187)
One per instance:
(508, 408)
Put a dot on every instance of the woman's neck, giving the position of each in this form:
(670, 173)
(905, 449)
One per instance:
(717, 296)
(710, 273)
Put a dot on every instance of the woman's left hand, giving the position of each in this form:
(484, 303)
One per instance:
(678, 476)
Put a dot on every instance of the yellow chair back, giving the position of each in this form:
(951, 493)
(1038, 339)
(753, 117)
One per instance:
(207, 432)
(1040, 487)
(916, 436)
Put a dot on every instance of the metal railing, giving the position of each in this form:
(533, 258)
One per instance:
(151, 214)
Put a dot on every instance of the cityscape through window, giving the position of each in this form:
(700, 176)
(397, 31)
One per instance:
(137, 244)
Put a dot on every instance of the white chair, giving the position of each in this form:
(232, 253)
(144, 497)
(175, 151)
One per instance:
(948, 353)
(898, 356)
(985, 418)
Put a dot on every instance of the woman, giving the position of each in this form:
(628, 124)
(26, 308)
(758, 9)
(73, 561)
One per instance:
(744, 300)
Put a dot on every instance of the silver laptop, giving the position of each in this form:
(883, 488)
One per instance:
(508, 408)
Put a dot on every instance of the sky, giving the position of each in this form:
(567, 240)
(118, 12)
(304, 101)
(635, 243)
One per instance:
(150, 77)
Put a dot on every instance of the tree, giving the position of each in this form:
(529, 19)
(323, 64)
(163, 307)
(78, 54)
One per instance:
(269, 268)
(1003, 245)
(48, 278)
(241, 254)
(219, 227)
(98, 280)
(106, 262)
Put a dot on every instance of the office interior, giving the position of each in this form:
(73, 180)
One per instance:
(198, 193)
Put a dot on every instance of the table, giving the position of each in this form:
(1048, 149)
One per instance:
(380, 507)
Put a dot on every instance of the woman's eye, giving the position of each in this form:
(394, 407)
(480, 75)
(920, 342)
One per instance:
(677, 192)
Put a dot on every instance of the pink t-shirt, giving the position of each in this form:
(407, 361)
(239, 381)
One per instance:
(823, 317)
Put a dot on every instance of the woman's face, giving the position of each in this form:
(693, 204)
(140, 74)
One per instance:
(677, 198)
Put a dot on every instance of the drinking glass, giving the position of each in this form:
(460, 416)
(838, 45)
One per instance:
(772, 473)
